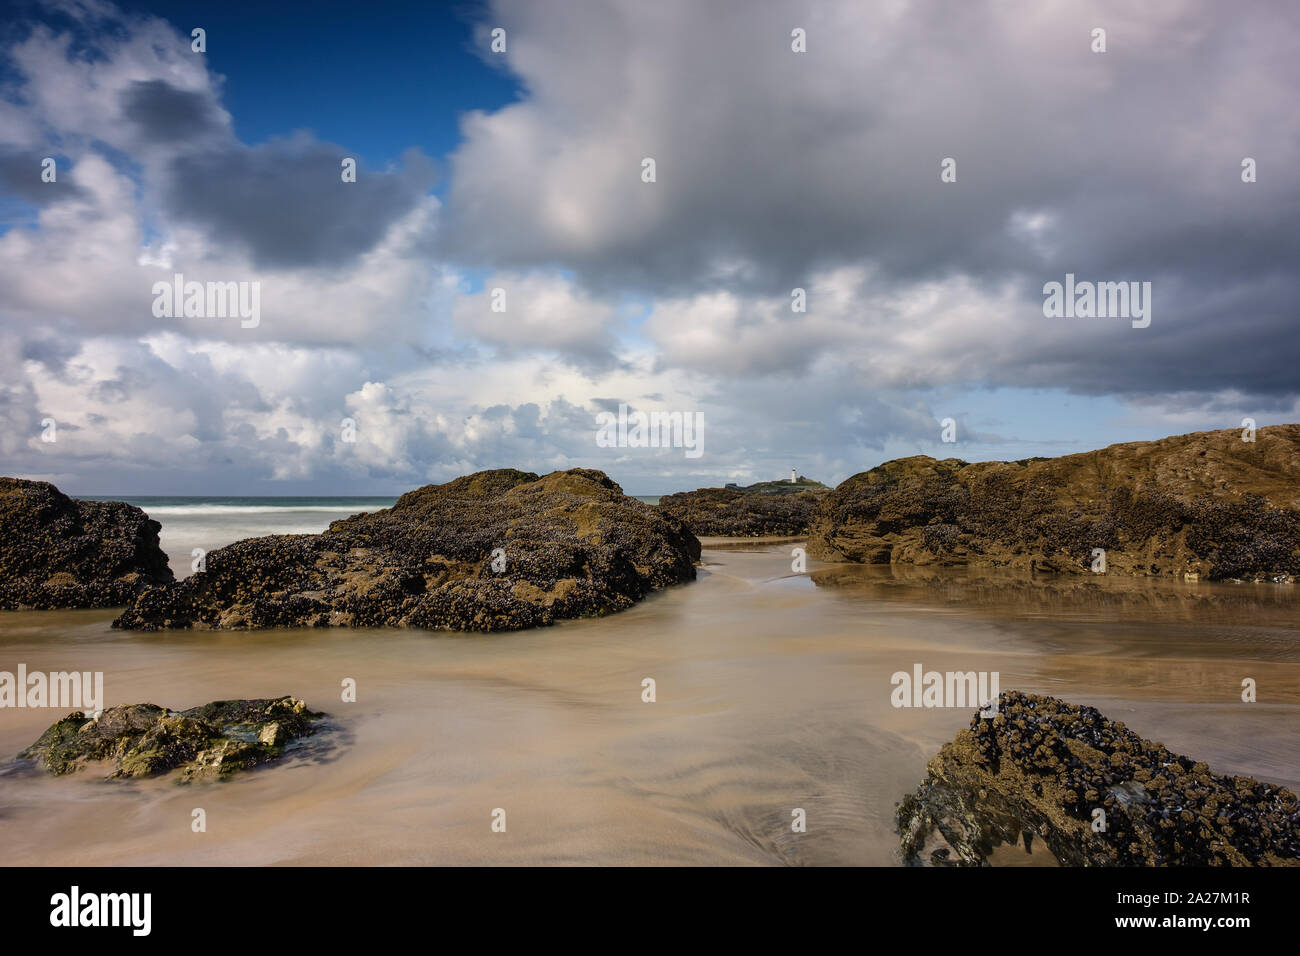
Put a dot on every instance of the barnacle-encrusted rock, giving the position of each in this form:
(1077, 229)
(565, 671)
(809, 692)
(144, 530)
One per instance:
(58, 552)
(141, 740)
(1043, 767)
(767, 508)
(1202, 506)
(497, 550)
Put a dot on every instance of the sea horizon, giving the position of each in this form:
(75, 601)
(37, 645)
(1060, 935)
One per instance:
(281, 502)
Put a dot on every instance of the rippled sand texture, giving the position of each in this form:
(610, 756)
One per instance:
(773, 693)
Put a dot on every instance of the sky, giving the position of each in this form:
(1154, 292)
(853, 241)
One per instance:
(796, 145)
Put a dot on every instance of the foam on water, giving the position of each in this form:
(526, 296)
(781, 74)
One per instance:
(208, 523)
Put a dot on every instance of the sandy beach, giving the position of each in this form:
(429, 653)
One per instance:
(773, 694)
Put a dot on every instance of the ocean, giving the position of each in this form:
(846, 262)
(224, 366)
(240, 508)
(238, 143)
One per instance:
(208, 523)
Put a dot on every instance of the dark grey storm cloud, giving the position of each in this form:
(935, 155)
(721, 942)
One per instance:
(164, 114)
(20, 177)
(286, 203)
(51, 351)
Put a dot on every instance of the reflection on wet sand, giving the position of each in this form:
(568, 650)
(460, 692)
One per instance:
(1008, 593)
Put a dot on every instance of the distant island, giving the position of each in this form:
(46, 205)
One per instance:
(782, 487)
(766, 508)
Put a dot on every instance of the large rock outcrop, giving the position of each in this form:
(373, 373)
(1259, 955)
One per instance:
(1043, 768)
(58, 552)
(767, 508)
(142, 740)
(1205, 505)
(496, 550)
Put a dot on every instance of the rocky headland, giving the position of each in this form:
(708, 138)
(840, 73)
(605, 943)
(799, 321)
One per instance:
(1202, 506)
(492, 551)
(143, 740)
(59, 552)
(766, 508)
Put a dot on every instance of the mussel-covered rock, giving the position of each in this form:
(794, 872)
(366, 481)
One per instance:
(1093, 792)
(58, 552)
(497, 550)
(1202, 506)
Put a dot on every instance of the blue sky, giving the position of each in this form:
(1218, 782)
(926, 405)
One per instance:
(522, 172)
(397, 77)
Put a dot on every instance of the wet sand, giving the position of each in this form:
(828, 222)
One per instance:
(773, 694)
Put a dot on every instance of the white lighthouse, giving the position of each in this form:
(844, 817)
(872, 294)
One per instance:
(793, 479)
